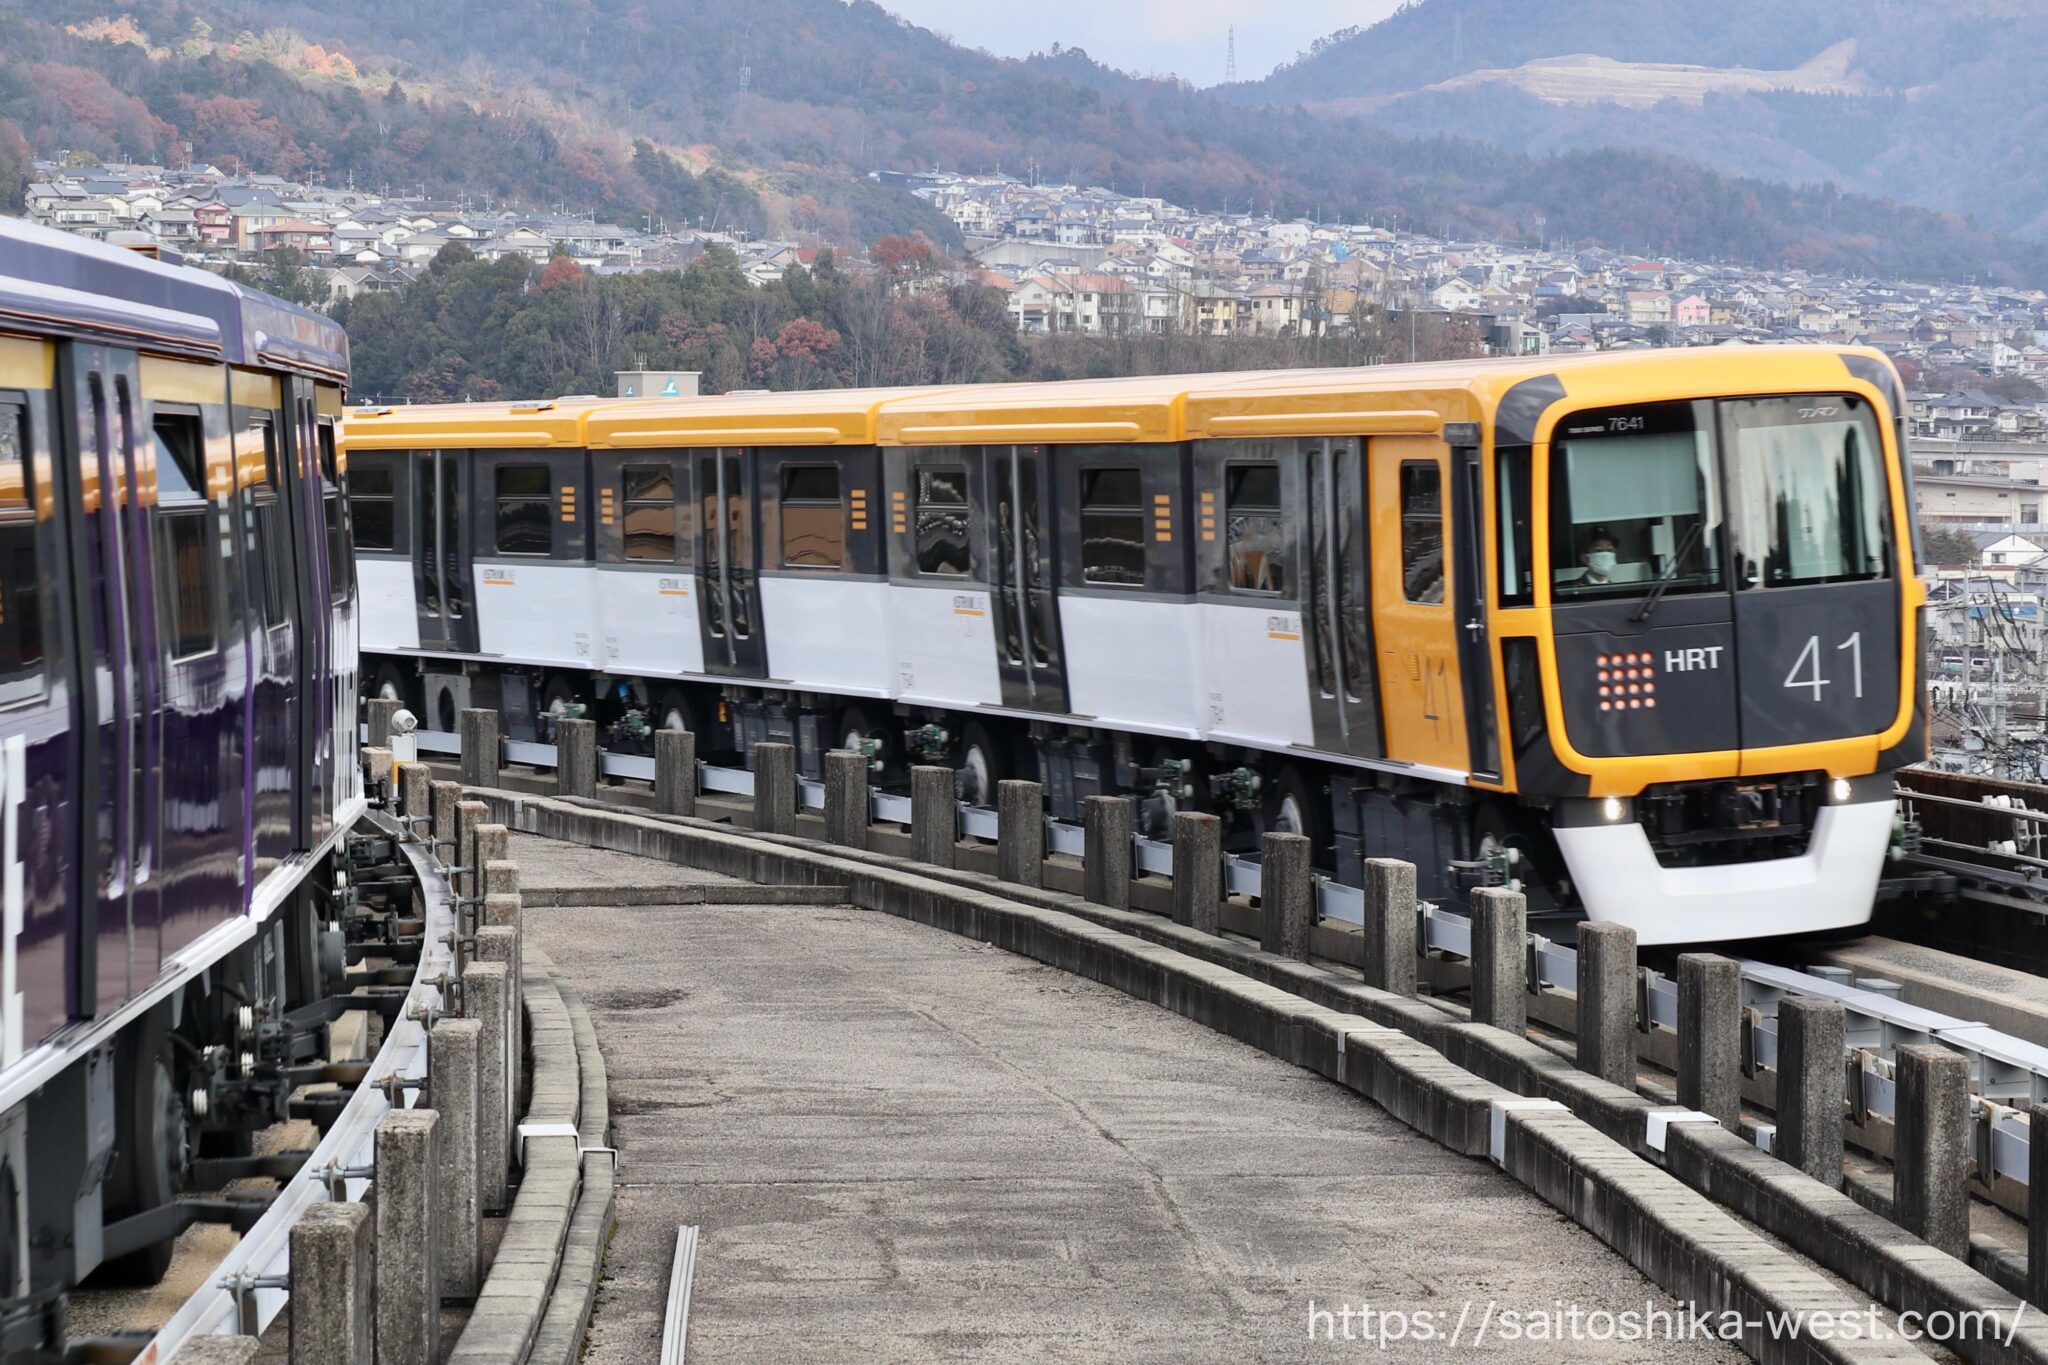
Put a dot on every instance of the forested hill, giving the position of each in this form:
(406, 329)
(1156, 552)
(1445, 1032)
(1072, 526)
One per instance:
(1934, 104)
(789, 102)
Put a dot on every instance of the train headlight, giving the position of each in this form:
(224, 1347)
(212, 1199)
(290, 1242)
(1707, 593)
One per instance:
(1613, 811)
(1839, 790)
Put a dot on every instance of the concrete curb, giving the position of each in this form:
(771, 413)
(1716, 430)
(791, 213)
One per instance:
(560, 1341)
(518, 1286)
(1675, 1235)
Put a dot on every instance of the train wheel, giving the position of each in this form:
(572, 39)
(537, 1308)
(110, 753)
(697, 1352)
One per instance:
(980, 766)
(1497, 827)
(855, 729)
(150, 1155)
(388, 684)
(1291, 807)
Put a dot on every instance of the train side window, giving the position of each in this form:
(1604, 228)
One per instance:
(1255, 531)
(1422, 531)
(813, 517)
(1517, 563)
(373, 507)
(180, 458)
(21, 616)
(1113, 526)
(271, 534)
(942, 520)
(341, 560)
(651, 512)
(526, 510)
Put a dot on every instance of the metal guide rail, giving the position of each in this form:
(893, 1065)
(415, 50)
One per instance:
(245, 1293)
(1981, 831)
(2007, 1073)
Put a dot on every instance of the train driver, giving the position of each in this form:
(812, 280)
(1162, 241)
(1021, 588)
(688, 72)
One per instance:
(1597, 564)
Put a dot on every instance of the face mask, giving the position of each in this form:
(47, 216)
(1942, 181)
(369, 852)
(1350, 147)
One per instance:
(1601, 561)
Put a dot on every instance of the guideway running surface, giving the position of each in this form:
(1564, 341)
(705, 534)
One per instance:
(903, 1146)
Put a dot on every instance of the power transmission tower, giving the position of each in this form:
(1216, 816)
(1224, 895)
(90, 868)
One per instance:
(1230, 58)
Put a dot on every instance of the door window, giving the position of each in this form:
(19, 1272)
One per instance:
(1255, 531)
(1113, 527)
(526, 509)
(813, 519)
(1422, 531)
(651, 512)
(373, 507)
(941, 524)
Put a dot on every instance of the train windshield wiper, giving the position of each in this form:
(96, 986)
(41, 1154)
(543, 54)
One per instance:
(1656, 595)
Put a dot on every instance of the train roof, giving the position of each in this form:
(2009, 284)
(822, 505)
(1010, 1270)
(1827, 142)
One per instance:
(58, 284)
(1374, 400)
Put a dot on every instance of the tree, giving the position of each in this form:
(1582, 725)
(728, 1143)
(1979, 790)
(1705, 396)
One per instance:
(1948, 548)
(560, 270)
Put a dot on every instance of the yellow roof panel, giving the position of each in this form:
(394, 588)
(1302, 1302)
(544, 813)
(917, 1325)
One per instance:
(1086, 411)
(551, 422)
(796, 418)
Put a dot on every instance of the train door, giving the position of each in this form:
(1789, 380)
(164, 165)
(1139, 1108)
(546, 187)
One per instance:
(1414, 590)
(729, 565)
(100, 398)
(1337, 618)
(645, 590)
(1467, 547)
(442, 551)
(316, 739)
(1023, 569)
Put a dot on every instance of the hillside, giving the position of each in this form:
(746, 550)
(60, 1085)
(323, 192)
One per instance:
(1932, 105)
(762, 109)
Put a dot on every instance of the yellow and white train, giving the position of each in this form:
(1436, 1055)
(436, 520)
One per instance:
(1638, 630)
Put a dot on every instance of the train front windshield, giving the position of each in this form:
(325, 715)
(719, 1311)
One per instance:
(1791, 491)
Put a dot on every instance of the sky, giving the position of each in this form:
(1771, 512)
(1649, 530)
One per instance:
(1152, 37)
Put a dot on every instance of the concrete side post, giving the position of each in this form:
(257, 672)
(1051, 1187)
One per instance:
(493, 845)
(1020, 833)
(1607, 1002)
(468, 816)
(1931, 1146)
(480, 748)
(1710, 1036)
(503, 912)
(377, 714)
(501, 878)
(1287, 895)
(934, 815)
(675, 772)
(446, 796)
(576, 757)
(775, 788)
(486, 999)
(331, 1267)
(1197, 870)
(454, 1051)
(847, 802)
(1390, 925)
(1812, 1086)
(2037, 1205)
(1106, 851)
(416, 796)
(406, 1193)
(1500, 961)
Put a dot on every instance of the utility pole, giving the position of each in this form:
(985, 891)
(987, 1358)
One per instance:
(1230, 58)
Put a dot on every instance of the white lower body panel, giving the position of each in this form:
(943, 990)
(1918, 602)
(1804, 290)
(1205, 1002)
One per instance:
(541, 611)
(1830, 886)
(391, 612)
(944, 646)
(650, 622)
(1133, 660)
(1255, 674)
(829, 633)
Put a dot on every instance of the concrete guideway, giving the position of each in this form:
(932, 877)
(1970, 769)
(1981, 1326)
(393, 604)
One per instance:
(1639, 1210)
(903, 1145)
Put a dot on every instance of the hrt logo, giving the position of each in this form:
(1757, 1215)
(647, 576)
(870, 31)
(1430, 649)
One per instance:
(1694, 659)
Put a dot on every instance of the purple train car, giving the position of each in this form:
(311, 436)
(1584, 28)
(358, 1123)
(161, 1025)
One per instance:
(177, 749)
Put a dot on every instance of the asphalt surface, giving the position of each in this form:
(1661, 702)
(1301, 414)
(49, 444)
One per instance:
(899, 1145)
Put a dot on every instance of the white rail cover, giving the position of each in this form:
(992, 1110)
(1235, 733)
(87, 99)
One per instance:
(260, 1263)
(2007, 1073)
